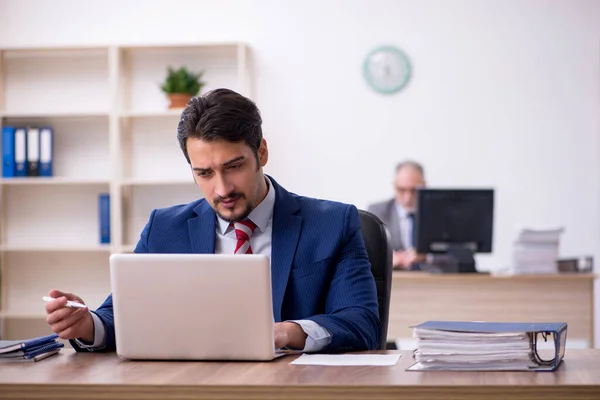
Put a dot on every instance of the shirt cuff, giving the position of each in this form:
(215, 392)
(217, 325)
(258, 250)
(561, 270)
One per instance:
(429, 259)
(99, 334)
(318, 337)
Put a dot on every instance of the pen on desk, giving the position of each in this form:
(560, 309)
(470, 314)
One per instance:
(72, 304)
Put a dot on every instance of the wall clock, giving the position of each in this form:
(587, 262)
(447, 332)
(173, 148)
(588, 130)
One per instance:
(387, 69)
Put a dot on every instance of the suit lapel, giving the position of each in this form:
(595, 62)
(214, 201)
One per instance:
(202, 229)
(394, 226)
(286, 231)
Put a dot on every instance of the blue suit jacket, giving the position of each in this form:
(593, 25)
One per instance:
(320, 268)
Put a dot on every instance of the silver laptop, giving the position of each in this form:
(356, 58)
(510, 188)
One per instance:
(193, 307)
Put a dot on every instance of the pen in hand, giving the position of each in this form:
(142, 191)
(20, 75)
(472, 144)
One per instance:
(72, 304)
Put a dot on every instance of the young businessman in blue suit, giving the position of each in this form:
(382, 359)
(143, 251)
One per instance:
(324, 296)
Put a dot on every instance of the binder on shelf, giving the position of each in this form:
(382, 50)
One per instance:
(33, 151)
(20, 152)
(488, 346)
(46, 151)
(104, 216)
(8, 152)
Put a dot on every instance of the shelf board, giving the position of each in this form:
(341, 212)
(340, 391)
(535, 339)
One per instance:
(128, 248)
(53, 180)
(157, 182)
(125, 46)
(55, 249)
(53, 114)
(151, 113)
(55, 49)
(180, 46)
(23, 315)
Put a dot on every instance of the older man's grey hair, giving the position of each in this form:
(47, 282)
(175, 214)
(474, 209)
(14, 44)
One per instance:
(411, 164)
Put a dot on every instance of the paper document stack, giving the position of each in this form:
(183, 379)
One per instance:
(485, 346)
(536, 252)
(29, 350)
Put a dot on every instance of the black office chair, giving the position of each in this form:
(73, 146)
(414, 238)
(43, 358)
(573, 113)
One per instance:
(379, 249)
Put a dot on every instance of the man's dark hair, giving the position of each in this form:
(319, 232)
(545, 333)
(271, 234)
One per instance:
(220, 114)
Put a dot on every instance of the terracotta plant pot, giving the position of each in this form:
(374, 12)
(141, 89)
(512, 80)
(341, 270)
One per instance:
(179, 100)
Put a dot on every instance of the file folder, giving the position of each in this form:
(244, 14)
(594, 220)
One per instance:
(32, 352)
(8, 152)
(33, 152)
(30, 357)
(7, 346)
(20, 152)
(29, 350)
(471, 342)
(46, 151)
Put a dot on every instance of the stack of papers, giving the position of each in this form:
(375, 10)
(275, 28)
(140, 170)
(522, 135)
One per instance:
(29, 350)
(452, 349)
(347, 359)
(536, 251)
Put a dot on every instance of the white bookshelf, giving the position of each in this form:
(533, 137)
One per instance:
(157, 182)
(113, 133)
(33, 181)
(151, 114)
(139, 201)
(53, 114)
(56, 249)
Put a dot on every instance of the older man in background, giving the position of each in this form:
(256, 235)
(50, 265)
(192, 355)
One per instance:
(398, 214)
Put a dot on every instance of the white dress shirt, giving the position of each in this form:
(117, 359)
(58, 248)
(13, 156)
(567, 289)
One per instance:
(406, 227)
(406, 231)
(225, 241)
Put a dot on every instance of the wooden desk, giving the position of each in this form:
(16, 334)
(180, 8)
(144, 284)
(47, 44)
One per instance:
(73, 375)
(418, 297)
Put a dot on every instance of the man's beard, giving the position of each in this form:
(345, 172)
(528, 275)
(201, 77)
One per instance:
(234, 218)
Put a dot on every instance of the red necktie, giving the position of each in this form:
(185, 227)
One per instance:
(243, 231)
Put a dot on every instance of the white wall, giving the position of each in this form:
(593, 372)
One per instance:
(505, 94)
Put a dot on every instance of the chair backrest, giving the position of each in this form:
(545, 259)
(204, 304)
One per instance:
(379, 249)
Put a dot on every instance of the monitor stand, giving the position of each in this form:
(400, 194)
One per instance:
(464, 257)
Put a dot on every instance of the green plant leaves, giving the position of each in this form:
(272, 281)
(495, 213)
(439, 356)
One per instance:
(183, 81)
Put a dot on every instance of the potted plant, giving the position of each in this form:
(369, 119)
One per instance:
(181, 85)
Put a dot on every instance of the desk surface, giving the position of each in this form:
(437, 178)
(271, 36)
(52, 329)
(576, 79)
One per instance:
(420, 296)
(479, 277)
(71, 375)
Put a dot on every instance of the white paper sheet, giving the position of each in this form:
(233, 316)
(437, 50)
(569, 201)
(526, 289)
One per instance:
(347, 359)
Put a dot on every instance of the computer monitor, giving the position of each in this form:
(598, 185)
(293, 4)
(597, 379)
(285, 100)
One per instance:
(455, 221)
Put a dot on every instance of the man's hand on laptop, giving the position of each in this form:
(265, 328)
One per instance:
(67, 322)
(290, 335)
